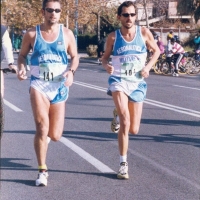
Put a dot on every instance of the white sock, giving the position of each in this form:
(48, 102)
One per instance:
(123, 158)
(48, 139)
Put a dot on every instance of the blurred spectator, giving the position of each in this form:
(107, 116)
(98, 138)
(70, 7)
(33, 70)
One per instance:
(101, 49)
(197, 40)
(170, 35)
(160, 45)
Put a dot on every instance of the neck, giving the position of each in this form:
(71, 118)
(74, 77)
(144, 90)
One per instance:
(130, 31)
(49, 28)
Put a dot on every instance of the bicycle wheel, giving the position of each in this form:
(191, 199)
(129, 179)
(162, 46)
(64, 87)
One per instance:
(1, 117)
(192, 67)
(182, 70)
(165, 69)
(156, 67)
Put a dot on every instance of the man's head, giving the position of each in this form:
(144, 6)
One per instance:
(51, 10)
(44, 3)
(126, 14)
(172, 40)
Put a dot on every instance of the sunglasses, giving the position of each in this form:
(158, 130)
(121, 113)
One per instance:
(128, 14)
(51, 10)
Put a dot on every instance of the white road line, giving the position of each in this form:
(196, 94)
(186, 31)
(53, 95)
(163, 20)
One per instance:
(92, 160)
(173, 108)
(89, 70)
(13, 107)
(165, 169)
(90, 86)
(186, 87)
(149, 101)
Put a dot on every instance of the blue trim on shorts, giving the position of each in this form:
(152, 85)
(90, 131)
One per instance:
(62, 95)
(113, 79)
(137, 95)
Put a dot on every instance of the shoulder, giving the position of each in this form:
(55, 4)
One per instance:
(144, 30)
(146, 33)
(67, 32)
(111, 36)
(30, 33)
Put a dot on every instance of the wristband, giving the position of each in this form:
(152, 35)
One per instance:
(73, 71)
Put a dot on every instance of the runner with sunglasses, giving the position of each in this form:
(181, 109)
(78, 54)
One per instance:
(50, 78)
(127, 73)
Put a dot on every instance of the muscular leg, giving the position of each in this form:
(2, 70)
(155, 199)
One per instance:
(40, 106)
(135, 110)
(121, 103)
(56, 120)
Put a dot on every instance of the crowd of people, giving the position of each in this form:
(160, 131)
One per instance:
(174, 50)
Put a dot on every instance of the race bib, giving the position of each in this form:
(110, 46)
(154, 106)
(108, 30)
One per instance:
(51, 72)
(130, 71)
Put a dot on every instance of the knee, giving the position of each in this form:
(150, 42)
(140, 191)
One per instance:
(55, 138)
(134, 130)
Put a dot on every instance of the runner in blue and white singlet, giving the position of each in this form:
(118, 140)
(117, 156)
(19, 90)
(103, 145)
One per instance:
(127, 72)
(128, 60)
(51, 43)
(48, 63)
(129, 57)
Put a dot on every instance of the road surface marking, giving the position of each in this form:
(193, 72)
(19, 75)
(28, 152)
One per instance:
(165, 169)
(13, 107)
(92, 160)
(186, 87)
(193, 113)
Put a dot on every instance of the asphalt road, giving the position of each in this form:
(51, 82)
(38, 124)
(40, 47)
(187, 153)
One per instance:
(164, 158)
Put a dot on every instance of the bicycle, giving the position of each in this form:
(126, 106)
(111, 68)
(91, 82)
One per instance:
(5, 71)
(157, 67)
(183, 67)
(193, 67)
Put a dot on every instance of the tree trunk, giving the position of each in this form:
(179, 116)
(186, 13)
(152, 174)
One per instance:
(146, 13)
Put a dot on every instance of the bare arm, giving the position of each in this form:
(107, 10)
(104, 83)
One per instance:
(108, 50)
(153, 46)
(26, 46)
(72, 51)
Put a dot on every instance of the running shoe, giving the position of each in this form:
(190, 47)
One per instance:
(175, 74)
(42, 179)
(123, 171)
(115, 124)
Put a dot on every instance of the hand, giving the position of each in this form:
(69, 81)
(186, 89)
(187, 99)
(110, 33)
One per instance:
(21, 75)
(69, 78)
(145, 72)
(109, 68)
(13, 67)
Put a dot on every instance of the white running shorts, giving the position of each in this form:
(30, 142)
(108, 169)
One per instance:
(136, 91)
(55, 92)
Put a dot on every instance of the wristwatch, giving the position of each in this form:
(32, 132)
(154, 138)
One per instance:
(73, 71)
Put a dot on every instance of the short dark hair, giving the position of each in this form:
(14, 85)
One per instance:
(46, 1)
(172, 40)
(125, 4)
